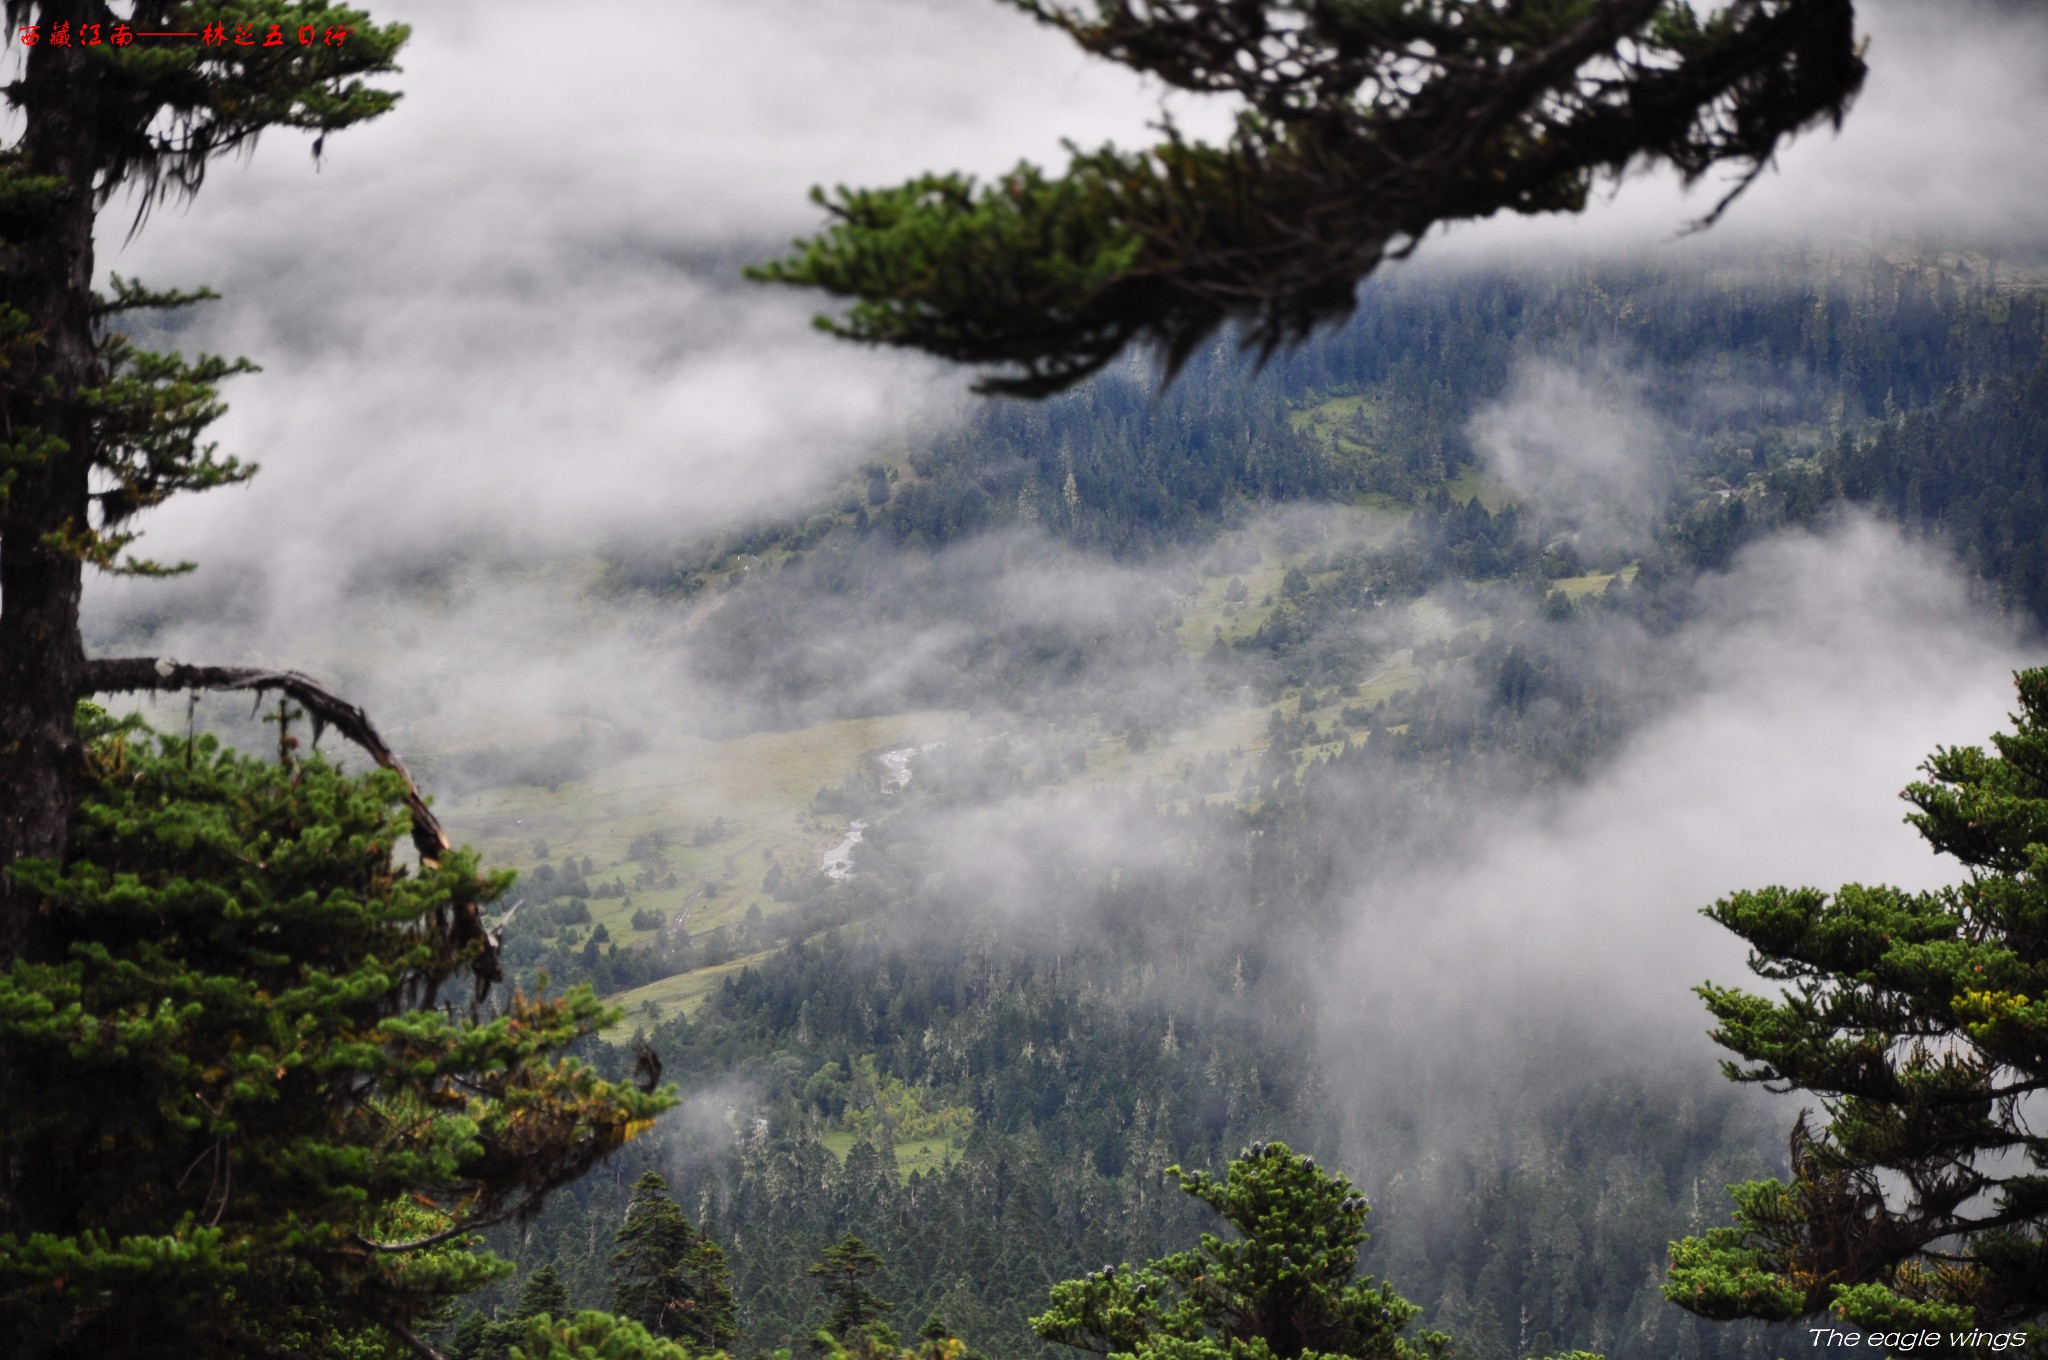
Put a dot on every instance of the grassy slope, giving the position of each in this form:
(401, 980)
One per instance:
(761, 784)
(684, 992)
(1207, 612)
(917, 1154)
(1578, 587)
(1472, 483)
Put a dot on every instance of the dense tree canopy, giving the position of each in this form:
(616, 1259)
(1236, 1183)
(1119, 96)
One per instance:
(843, 1273)
(1080, 1074)
(1921, 1020)
(236, 1080)
(1363, 124)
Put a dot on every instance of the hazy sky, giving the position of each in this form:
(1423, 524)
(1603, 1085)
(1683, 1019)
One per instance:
(506, 318)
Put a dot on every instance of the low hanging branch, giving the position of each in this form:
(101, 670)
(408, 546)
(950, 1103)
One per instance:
(1364, 125)
(127, 675)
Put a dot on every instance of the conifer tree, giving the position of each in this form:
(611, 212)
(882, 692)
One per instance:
(542, 1299)
(472, 1339)
(254, 1129)
(542, 1294)
(591, 1336)
(96, 429)
(1363, 125)
(1920, 1020)
(1287, 1287)
(239, 1113)
(669, 1277)
(843, 1272)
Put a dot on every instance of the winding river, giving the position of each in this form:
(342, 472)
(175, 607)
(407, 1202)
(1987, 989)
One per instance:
(837, 864)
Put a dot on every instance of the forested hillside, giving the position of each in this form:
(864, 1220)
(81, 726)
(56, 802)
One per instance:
(1081, 913)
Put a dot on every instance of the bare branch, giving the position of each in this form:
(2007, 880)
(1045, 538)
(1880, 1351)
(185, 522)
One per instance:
(124, 675)
(153, 674)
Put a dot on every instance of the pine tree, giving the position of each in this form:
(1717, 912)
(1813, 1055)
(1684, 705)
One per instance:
(843, 1273)
(590, 1336)
(97, 429)
(543, 1302)
(237, 1112)
(1287, 1288)
(254, 1128)
(1921, 1021)
(542, 1295)
(669, 1277)
(472, 1340)
(1363, 126)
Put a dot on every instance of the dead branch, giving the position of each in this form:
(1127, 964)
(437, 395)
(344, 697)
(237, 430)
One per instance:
(154, 674)
(124, 675)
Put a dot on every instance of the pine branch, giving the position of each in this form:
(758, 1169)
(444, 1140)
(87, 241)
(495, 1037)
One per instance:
(1362, 128)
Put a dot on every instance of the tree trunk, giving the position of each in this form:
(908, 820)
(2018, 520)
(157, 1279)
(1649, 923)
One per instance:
(46, 273)
(48, 276)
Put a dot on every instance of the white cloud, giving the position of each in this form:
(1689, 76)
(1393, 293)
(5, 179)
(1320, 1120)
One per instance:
(1578, 441)
(1824, 670)
(509, 313)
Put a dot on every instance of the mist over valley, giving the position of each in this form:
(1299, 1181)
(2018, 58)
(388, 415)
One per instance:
(983, 805)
